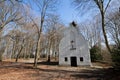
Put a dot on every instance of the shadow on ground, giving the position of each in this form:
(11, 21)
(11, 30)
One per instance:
(48, 63)
(99, 74)
(84, 74)
(45, 63)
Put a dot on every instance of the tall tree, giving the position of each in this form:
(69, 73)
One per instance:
(102, 5)
(45, 7)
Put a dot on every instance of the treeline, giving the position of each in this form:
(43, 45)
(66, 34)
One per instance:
(102, 30)
(25, 35)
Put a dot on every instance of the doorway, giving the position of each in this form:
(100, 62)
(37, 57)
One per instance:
(74, 61)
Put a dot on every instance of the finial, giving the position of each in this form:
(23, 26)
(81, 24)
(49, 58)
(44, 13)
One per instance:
(74, 24)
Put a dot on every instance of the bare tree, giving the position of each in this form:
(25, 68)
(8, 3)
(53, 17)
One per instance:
(100, 4)
(51, 32)
(31, 29)
(45, 8)
(113, 27)
(8, 13)
(92, 33)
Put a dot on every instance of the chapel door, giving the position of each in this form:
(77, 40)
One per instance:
(74, 61)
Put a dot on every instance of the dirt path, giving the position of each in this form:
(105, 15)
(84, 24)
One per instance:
(23, 71)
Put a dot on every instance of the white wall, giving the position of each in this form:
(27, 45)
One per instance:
(81, 46)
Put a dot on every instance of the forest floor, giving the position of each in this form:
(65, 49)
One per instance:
(23, 70)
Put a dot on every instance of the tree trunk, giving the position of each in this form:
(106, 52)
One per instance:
(49, 48)
(0, 57)
(0, 44)
(104, 31)
(13, 50)
(38, 42)
(37, 52)
(18, 54)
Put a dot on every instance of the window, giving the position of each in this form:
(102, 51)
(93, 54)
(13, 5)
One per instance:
(66, 59)
(81, 58)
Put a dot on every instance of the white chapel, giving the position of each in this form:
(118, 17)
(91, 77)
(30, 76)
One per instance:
(73, 48)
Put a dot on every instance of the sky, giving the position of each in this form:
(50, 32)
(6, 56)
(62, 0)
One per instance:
(67, 12)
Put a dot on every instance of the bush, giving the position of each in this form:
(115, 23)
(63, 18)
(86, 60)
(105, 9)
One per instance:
(116, 57)
(95, 54)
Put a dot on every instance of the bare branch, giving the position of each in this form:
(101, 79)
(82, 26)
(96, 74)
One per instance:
(107, 5)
